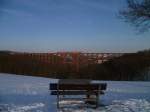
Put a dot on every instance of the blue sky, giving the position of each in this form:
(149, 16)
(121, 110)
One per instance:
(67, 25)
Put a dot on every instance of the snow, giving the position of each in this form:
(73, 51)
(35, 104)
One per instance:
(20, 108)
(31, 94)
(130, 105)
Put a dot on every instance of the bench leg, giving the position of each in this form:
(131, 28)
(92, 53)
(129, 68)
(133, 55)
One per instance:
(87, 96)
(58, 96)
(97, 97)
(58, 101)
(97, 100)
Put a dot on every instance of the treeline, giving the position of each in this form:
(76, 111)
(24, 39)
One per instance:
(25, 64)
(127, 67)
(134, 66)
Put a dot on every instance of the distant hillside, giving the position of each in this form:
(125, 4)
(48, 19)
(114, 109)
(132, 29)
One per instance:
(133, 66)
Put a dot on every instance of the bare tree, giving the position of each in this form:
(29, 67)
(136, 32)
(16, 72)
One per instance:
(137, 13)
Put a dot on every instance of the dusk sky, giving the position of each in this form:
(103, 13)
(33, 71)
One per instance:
(67, 25)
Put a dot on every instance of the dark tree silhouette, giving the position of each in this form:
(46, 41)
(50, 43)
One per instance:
(137, 13)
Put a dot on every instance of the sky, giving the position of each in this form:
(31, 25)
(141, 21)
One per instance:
(67, 25)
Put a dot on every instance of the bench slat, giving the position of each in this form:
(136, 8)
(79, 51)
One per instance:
(75, 92)
(54, 86)
(78, 87)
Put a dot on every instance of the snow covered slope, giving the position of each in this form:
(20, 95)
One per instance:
(31, 94)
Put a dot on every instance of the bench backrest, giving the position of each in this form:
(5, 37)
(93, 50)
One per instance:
(55, 86)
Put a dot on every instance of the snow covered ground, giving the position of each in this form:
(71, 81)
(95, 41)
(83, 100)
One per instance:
(31, 94)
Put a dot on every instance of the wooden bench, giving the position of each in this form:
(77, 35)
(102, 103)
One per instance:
(78, 87)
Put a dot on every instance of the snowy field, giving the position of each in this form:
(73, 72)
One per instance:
(31, 94)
